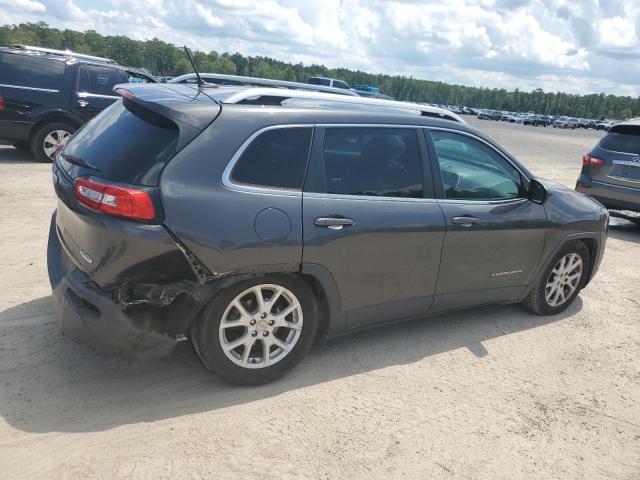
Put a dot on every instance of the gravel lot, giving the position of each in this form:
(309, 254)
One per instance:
(489, 393)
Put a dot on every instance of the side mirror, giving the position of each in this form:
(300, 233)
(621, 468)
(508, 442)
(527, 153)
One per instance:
(537, 192)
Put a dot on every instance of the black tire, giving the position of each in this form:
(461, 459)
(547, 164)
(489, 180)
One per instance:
(205, 333)
(37, 140)
(536, 301)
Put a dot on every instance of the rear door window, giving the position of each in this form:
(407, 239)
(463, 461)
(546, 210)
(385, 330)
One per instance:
(126, 146)
(369, 161)
(99, 80)
(276, 158)
(31, 71)
(624, 140)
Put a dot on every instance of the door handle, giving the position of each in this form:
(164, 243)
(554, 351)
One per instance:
(82, 103)
(334, 223)
(464, 221)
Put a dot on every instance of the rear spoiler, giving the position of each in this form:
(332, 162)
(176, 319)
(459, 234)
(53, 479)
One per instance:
(189, 108)
(180, 103)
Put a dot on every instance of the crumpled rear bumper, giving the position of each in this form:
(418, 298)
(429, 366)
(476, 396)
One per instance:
(93, 318)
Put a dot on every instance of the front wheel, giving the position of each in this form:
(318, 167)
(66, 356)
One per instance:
(257, 330)
(561, 282)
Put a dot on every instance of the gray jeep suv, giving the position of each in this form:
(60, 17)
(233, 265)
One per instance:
(248, 220)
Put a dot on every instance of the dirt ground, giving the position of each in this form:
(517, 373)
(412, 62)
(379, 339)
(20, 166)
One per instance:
(489, 393)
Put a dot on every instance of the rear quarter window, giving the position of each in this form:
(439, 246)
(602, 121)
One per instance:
(126, 145)
(31, 71)
(623, 139)
(276, 158)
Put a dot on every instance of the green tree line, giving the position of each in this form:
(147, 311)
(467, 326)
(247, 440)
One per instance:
(166, 59)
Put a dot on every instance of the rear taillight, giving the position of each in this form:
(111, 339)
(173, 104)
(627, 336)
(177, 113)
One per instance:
(128, 94)
(1, 102)
(587, 159)
(128, 202)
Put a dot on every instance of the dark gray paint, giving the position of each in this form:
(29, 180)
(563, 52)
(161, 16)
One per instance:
(401, 258)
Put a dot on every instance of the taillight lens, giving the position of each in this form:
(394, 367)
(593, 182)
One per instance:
(125, 93)
(1, 102)
(587, 159)
(128, 202)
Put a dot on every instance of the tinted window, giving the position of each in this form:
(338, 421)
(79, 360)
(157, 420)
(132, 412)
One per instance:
(339, 84)
(276, 158)
(99, 80)
(320, 81)
(625, 140)
(124, 146)
(372, 161)
(31, 71)
(473, 171)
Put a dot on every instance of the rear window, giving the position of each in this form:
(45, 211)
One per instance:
(125, 145)
(624, 139)
(31, 71)
(276, 158)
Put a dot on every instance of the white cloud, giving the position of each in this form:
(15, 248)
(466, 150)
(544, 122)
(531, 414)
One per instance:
(29, 6)
(617, 32)
(586, 46)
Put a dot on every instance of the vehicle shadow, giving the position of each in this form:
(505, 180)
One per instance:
(13, 156)
(625, 230)
(48, 384)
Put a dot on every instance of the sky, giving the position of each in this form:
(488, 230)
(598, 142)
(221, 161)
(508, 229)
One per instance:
(576, 46)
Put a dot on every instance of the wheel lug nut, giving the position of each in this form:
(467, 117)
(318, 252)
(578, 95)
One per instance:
(264, 315)
(254, 333)
(265, 333)
(271, 322)
(252, 322)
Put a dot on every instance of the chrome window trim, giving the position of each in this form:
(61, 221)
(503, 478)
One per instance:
(628, 163)
(342, 196)
(240, 187)
(483, 202)
(630, 180)
(95, 95)
(35, 89)
(475, 137)
(243, 187)
(507, 201)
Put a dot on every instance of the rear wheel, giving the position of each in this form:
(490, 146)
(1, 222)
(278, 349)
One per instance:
(257, 330)
(49, 138)
(561, 282)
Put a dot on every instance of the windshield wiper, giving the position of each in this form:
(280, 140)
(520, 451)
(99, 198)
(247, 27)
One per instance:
(78, 161)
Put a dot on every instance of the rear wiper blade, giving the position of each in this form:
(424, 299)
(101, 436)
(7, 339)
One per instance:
(78, 161)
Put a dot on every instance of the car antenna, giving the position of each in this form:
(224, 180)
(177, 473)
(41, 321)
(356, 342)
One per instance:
(200, 81)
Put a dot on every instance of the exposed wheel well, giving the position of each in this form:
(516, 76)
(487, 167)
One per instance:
(592, 246)
(321, 298)
(50, 119)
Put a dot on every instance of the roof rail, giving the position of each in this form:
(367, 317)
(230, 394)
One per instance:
(65, 53)
(271, 96)
(239, 80)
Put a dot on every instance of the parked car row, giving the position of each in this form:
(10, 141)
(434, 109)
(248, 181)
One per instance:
(557, 121)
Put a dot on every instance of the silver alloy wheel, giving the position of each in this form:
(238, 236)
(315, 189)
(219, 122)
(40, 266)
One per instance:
(52, 140)
(261, 326)
(563, 280)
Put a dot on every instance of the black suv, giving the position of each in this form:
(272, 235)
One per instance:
(611, 170)
(45, 95)
(248, 220)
